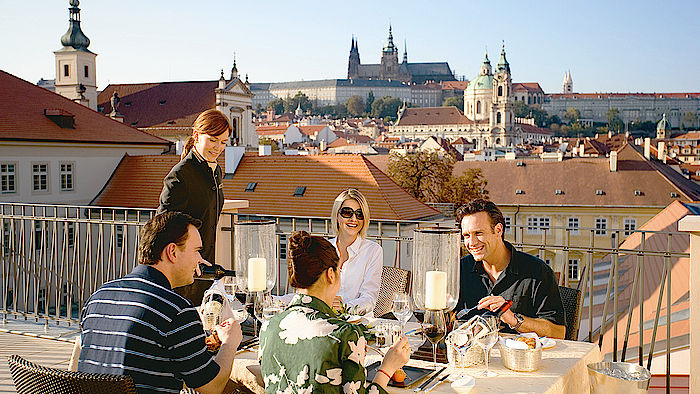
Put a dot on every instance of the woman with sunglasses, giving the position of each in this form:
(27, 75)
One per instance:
(360, 258)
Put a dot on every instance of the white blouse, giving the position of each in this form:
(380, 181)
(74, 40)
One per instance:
(361, 274)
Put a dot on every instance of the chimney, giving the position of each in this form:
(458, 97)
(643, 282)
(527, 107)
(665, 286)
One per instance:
(613, 161)
(323, 145)
(270, 114)
(233, 156)
(647, 148)
(264, 150)
(661, 151)
(178, 147)
(580, 150)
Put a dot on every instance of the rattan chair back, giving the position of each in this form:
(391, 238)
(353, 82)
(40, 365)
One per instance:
(393, 280)
(32, 378)
(571, 298)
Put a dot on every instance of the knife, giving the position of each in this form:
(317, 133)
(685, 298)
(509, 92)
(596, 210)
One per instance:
(442, 379)
(430, 379)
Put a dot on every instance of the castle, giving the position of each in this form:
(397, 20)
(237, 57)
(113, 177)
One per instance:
(390, 69)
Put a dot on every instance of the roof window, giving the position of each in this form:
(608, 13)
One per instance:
(251, 186)
(299, 192)
(128, 103)
(674, 195)
(599, 192)
(161, 102)
(558, 192)
(519, 191)
(520, 163)
(62, 118)
(638, 193)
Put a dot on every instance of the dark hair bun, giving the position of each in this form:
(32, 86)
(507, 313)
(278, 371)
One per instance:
(309, 256)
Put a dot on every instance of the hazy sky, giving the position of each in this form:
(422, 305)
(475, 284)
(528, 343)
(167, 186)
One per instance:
(609, 46)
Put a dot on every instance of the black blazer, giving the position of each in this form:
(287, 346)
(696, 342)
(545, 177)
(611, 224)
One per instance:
(190, 188)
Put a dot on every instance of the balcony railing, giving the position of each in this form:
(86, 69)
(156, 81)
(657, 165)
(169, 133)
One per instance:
(54, 257)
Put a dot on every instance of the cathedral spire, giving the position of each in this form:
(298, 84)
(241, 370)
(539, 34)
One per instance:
(405, 52)
(390, 47)
(75, 37)
(503, 65)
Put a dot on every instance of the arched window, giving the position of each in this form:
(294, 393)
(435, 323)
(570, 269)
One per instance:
(498, 117)
(478, 107)
(528, 99)
(498, 141)
(500, 91)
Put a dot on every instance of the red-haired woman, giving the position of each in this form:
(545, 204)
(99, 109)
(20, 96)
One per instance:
(194, 186)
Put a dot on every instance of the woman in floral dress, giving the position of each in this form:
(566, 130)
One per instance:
(307, 347)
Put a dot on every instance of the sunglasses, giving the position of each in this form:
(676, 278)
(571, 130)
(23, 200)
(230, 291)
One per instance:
(347, 213)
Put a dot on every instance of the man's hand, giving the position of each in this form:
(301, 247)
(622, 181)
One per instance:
(337, 302)
(229, 332)
(197, 270)
(492, 303)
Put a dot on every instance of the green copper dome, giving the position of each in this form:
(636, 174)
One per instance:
(482, 82)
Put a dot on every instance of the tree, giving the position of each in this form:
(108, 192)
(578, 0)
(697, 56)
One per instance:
(355, 105)
(291, 103)
(455, 101)
(572, 115)
(277, 104)
(690, 119)
(427, 176)
(386, 107)
(369, 102)
(522, 110)
(614, 121)
(259, 109)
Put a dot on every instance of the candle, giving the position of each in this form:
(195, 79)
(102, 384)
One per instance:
(435, 290)
(257, 280)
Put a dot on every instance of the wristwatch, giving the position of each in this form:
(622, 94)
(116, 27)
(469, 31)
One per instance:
(519, 318)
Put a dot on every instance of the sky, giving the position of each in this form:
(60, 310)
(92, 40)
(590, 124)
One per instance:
(609, 46)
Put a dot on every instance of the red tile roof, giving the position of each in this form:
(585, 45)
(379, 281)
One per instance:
(534, 129)
(22, 106)
(138, 180)
(160, 103)
(271, 130)
(311, 130)
(432, 116)
(454, 85)
(533, 87)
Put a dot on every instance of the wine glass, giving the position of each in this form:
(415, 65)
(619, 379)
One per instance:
(401, 307)
(265, 306)
(486, 336)
(434, 328)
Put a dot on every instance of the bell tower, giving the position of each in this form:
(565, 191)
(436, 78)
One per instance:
(389, 68)
(76, 77)
(568, 84)
(502, 102)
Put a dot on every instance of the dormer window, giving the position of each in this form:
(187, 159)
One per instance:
(161, 102)
(519, 191)
(674, 195)
(558, 192)
(599, 192)
(638, 193)
(520, 163)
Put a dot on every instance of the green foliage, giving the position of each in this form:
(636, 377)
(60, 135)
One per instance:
(614, 121)
(572, 115)
(291, 103)
(386, 107)
(277, 104)
(355, 105)
(455, 101)
(427, 176)
(369, 102)
(268, 141)
(259, 110)
(690, 119)
(522, 110)
(644, 129)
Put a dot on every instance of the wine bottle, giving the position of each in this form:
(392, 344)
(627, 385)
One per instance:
(500, 311)
(214, 272)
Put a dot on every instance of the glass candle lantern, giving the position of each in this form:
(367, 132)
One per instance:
(255, 252)
(435, 268)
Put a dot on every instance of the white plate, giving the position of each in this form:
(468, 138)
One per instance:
(464, 384)
(548, 343)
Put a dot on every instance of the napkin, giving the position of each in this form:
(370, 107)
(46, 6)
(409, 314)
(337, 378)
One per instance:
(227, 307)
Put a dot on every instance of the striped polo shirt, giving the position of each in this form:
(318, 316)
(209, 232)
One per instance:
(138, 326)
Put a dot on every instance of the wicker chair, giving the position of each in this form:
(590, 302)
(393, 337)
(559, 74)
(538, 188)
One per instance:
(31, 378)
(393, 280)
(571, 298)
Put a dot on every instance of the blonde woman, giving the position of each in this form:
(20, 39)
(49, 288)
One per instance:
(360, 259)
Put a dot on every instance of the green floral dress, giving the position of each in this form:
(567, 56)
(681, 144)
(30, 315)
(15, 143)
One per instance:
(307, 348)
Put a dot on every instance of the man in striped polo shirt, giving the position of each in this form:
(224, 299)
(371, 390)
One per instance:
(138, 326)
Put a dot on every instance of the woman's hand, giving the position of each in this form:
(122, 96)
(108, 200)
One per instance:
(397, 356)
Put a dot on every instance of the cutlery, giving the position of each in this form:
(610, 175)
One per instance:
(442, 379)
(430, 379)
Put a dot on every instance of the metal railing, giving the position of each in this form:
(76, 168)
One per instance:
(54, 257)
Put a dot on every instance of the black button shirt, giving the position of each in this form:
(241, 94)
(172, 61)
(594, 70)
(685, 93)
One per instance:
(527, 280)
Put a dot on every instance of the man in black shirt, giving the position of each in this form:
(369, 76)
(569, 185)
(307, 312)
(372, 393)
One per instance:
(495, 271)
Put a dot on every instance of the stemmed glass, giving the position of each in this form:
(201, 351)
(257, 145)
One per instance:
(434, 328)
(486, 337)
(239, 311)
(401, 307)
(265, 306)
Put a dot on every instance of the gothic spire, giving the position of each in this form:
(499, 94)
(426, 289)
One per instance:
(405, 52)
(503, 65)
(390, 47)
(75, 37)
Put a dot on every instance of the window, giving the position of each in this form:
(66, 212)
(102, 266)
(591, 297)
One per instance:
(299, 192)
(500, 91)
(630, 224)
(283, 247)
(251, 186)
(601, 225)
(66, 69)
(478, 107)
(40, 174)
(86, 72)
(66, 176)
(536, 224)
(573, 269)
(498, 117)
(573, 225)
(508, 228)
(119, 235)
(7, 177)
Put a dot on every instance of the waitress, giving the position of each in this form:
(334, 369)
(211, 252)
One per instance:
(194, 187)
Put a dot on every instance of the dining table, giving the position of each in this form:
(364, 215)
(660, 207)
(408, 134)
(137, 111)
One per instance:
(563, 370)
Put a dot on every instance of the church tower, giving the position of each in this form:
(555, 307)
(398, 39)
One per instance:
(502, 101)
(389, 67)
(75, 65)
(568, 84)
(354, 60)
(663, 129)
